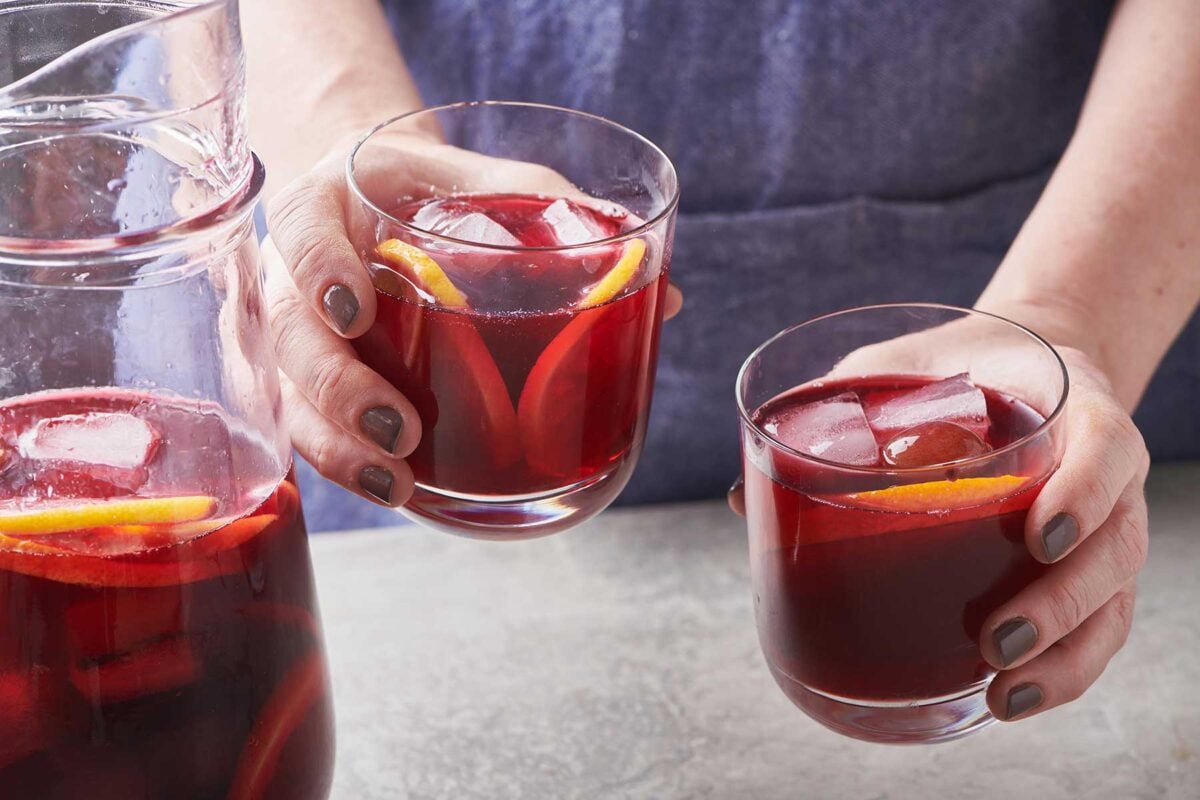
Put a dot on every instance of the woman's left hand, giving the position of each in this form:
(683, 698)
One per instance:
(1051, 642)
(1053, 639)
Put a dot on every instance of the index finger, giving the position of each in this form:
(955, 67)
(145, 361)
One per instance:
(308, 225)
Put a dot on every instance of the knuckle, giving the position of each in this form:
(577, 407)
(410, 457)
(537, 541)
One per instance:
(288, 205)
(1076, 679)
(1123, 610)
(1131, 543)
(313, 249)
(1068, 604)
(286, 313)
(326, 380)
(323, 451)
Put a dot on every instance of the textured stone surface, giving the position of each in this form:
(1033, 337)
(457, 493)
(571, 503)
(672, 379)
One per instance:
(620, 661)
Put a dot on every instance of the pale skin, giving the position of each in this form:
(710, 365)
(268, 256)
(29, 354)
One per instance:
(1107, 267)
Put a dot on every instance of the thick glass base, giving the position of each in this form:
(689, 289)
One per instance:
(512, 517)
(928, 721)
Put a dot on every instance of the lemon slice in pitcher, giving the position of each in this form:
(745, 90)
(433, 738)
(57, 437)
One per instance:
(64, 518)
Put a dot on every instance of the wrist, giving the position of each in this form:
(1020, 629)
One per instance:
(1065, 325)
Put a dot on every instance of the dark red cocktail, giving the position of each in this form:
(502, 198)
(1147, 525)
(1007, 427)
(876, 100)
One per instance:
(887, 520)
(158, 627)
(520, 260)
(879, 594)
(531, 370)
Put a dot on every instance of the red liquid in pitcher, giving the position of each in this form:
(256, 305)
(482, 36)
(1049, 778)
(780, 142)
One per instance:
(874, 587)
(158, 627)
(515, 401)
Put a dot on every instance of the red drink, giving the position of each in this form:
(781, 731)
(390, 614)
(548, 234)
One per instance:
(878, 594)
(532, 373)
(158, 627)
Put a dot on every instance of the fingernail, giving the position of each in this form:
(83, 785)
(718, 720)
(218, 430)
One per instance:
(1014, 638)
(383, 425)
(377, 482)
(341, 306)
(1058, 536)
(1025, 697)
(737, 484)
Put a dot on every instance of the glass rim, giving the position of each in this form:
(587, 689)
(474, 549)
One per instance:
(165, 9)
(665, 213)
(117, 250)
(1046, 424)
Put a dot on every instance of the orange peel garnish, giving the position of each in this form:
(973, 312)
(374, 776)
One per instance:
(138, 511)
(619, 276)
(421, 267)
(939, 495)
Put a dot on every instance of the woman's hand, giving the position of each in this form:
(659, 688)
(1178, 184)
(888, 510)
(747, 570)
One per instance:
(353, 426)
(1053, 639)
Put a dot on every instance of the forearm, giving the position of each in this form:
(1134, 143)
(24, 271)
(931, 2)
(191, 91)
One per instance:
(1109, 260)
(318, 72)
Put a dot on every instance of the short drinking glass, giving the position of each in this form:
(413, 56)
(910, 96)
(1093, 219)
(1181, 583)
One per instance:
(891, 455)
(521, 269)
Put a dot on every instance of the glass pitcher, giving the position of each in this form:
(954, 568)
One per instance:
(159, 634)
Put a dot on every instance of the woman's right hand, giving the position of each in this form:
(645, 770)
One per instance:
(353, 426)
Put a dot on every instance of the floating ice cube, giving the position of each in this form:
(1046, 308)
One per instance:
(481, 229)
(436, 216)
(954, 399)
(930, 443)
(571, 224)
(460, 219)
(834, 429)
(103, 439)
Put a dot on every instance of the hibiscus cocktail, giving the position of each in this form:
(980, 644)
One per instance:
(524, 329)
(160, 629)
(887, 520)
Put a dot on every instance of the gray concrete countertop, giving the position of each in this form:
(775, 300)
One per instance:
(620, 661)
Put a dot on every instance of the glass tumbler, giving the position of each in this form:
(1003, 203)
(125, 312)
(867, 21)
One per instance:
(520, 259)
(891, 455)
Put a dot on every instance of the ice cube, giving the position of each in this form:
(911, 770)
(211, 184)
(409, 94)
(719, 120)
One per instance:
(439, 214)
(930, 443)
(105, 439)
(460, 219)
(481, 229)
(571, 224)
(833, 429)
(954, 399)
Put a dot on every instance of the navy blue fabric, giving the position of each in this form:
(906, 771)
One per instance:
(831, 154)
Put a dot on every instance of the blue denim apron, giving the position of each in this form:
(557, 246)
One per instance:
(831, 154)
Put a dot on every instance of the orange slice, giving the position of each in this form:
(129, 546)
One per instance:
(136, 511)
(618, 277)
(424, 270)
(282, 715)
(449, 373)
(193, 561)
(939, 495)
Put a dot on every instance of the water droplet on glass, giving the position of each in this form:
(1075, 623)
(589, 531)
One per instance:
(117, 184)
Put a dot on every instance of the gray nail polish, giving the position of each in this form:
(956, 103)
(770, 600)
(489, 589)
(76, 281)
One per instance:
(1025, 697)
(1058, 536)
(341, 306)
(1014, 639)
(383, 426)
(377, 482)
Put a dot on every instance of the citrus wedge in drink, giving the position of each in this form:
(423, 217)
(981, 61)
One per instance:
(71, 516)
(462, 384)
(589, 358)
